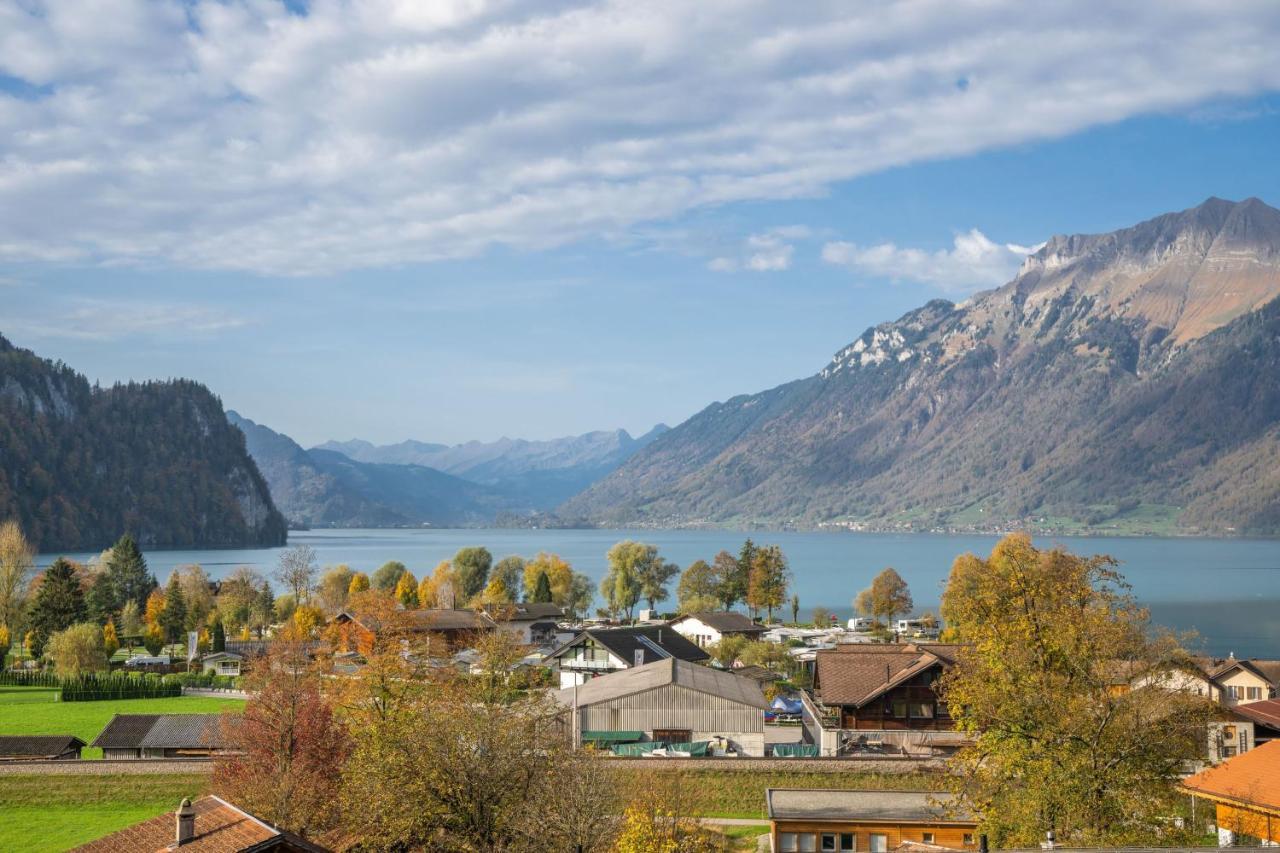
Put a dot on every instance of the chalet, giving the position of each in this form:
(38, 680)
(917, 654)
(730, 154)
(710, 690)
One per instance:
(708, 628)
(209, 825)
(884, 686)
(600, 651)
(531, 623)
(669, 701)
(1265, 716)
(874, 821)
(162, 736)
(453, 629)
(1245, 791)
(222, 663)
(40, 747)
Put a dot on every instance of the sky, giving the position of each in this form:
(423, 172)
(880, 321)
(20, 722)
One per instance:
(468, 219)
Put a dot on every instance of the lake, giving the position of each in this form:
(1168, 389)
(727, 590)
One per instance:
(1228, 590)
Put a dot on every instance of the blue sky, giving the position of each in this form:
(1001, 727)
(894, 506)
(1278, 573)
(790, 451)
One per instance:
(539, 219)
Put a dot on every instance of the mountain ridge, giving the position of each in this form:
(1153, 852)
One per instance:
(1013, 407)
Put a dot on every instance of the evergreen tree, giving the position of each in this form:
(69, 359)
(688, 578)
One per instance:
(59, 602)
(101, 600)
(542, 592)
(219, 641)
(173, 619)
(127, 568)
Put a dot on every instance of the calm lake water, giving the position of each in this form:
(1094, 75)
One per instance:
(1226, 590)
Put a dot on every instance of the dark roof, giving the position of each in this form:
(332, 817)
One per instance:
(726, 621)
(1266, 712)
(657, 642)
(172, 731)
(756, 673)
(856, 673)
(1216, 668)
(885, 806)
(220, 827)
(38, 745)
(529, 611)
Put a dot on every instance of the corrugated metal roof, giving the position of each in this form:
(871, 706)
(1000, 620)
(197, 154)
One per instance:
(38, 745)
(638, 679)
(185, 730)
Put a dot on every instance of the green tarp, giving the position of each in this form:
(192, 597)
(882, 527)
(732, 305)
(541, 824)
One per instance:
(611, 737)
(697, 749)
(795, 750)
(633, 750)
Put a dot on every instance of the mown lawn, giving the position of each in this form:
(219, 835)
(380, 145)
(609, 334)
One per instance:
(36, 711)
(740, 793)
(43, 813)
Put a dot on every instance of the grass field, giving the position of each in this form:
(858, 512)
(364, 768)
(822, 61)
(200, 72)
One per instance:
(36, 711)
(42, 813)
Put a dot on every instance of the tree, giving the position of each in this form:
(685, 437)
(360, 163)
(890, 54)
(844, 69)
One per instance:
(510, 570)
(887, 596)
(155, 608)
(441, 589)
(388, 575)
(197, 596)
(292, 746)
(306, 621)
(17, 560)
(173, 619)
(559, 576)
(5, 643)
(127, 574)
(34, 644)
(542, 590)
(795, 610)
(768, 583)
(698, 590)
(495, 594)
(218, 636)
(296, 569)
(263, 610)
(727, 649)
(130, 619)
(284, 607)
(622, 586)
(1055, 745)
(577, 602)
(359, 583)
(77, 649)
(334, 588)
(731, 583)
(654, 575)
(821, 617)
(58, 602)
(110, 642)
(472, 566)
(153, 639)
(407, 590)
(771, 656)
(100, 601)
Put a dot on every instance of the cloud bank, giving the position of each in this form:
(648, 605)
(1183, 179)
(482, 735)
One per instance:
(973, 262)
(242, 135)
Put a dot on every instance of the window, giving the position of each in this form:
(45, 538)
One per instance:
(1253, 693)
(787, 842)
(922, 710)
(926, 837)
(808, 843)
(968, 839)
(900, 708)
(828, 842)
(848, 842)
(879, 843)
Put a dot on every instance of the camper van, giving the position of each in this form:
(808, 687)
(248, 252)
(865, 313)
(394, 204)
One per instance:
(915, 628)
(861, 623)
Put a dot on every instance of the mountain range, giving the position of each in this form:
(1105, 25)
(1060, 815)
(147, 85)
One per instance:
(359, 484)
(79, 464)
(1126, 381)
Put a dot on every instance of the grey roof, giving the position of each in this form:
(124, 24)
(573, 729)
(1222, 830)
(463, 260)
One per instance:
(726, 621)
(638, 679)
(657, 641)
(826, 805)
(172, 731)
(222, 656)
(430, 619)
(528, 611)
(38, 745)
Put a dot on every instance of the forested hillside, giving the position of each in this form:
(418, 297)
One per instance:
(80, 465)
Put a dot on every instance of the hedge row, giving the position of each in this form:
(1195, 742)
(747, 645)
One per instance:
(28, 678)
(93, 687)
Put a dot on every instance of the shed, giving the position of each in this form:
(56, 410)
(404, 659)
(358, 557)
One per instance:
(39, 747)
(876, 821)
(162, 736)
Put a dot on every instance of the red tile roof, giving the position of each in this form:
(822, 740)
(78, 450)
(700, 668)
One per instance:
(1266, 712)
(855, 673)
(1251, 778)
(220, 828)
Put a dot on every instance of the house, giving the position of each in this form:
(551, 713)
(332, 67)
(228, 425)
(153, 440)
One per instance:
(1230, 734)
(39, 747)
(888, 686)
(209, 825)
(669, 701)
(222, 663)
(600, 651)
(532, 623)
(874, 821)
(162, 736)
(1239, 681)
(1265, 716)
(1245, 792)
(450, 629)
(709, 627)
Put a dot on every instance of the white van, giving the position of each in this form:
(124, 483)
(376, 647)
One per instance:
(861, 623)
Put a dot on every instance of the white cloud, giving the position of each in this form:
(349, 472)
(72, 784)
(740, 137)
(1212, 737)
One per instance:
(237, 135)
(973, 262)
(115, 320)
(764, 252)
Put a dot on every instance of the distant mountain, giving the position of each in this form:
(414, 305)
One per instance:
(539, 474)
(1126, 381)
(80, 465)
(324, 488)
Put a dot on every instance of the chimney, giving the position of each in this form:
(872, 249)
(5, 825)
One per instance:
(639, 658)
(186, 818)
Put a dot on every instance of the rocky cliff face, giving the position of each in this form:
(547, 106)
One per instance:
(81, 465)
(1120, 379)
